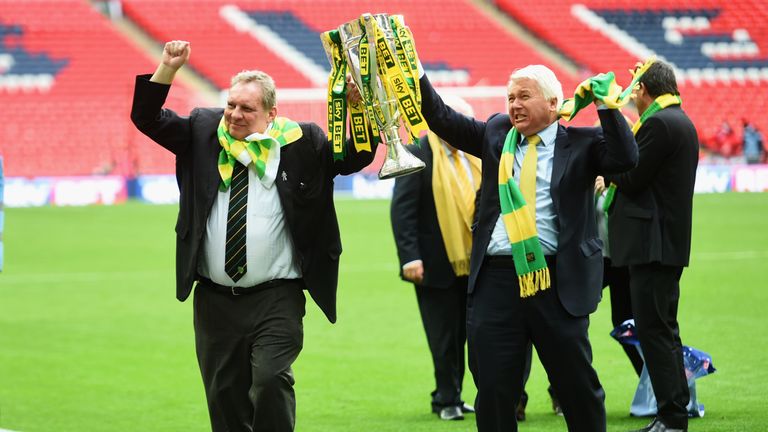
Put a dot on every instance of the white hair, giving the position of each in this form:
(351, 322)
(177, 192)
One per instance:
(457, 103)
(548, 83)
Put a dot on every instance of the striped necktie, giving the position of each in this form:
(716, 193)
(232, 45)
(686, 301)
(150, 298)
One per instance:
(528, 173)
(234, 255)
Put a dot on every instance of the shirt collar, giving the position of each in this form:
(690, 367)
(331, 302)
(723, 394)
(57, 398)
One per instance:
(547, 135)
(273, 159)
(448, 150)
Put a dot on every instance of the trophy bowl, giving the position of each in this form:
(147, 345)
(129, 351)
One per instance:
(378, 95)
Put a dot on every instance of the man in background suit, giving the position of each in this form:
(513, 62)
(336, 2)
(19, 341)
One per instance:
(256, 226)
(650, 231)
(544, 291)
(615, 278)
(431, 213)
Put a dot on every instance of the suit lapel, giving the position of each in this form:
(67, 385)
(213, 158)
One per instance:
(499, 142)
(495, 154)
(560, 162)
(283, 183)
(491, 170)
(211, 169)
(208, 169)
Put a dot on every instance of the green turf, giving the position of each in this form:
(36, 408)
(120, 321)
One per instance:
(92, 338)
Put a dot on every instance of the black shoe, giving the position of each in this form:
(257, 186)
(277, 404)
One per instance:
(555, 403)
(657, 426)
(451, 413)
(465, 408)
(520, 412)
(520, 409)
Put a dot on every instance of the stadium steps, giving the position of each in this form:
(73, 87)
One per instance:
(77, 124)
(519, 31)
(154, 50)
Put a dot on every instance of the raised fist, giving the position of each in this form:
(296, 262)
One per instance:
(176, 53)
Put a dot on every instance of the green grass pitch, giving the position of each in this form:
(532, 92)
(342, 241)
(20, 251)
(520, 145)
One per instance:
(92, 338)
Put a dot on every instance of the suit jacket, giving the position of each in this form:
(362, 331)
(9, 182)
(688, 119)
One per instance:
(581, 153)
(304, 183)
(651, 216)
(414, 222)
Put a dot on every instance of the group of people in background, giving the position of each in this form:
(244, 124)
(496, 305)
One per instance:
(499, 235)
(730, 143)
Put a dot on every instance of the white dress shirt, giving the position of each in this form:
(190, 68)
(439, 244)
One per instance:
(269, 251)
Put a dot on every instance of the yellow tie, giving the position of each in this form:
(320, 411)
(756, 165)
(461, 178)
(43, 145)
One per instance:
(467, 190)
(528, 174)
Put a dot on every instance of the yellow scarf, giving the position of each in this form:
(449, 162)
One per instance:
(454, 210)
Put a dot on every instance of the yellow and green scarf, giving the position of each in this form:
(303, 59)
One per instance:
(657, 105)
(530, 265)
(281, 132)
(602, 87)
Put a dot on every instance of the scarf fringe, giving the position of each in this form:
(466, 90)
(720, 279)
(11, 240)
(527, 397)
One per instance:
(533, 275)
(461, 267)
(533, 282)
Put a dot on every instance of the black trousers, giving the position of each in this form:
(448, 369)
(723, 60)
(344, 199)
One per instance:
(443, 313)
(655, 292)
(245, 347)
(617, 280)
(500, 325)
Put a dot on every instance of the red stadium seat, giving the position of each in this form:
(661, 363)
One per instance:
(708, 96)
(80, 124)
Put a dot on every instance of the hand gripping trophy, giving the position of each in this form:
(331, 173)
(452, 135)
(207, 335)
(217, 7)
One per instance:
(379, 53)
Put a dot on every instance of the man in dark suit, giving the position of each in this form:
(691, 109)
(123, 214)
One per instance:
(256, 226)
(615, 278)
(431, 214)
(508, 307)
(650, 231)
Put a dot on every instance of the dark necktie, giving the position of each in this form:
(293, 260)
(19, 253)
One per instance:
(234, 257)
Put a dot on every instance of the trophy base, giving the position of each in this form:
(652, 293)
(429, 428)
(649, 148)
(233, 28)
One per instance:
(396, 168)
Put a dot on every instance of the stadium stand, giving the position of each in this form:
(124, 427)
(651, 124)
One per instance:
(458, 44)
(66, 80)
(715, 46)
(283, 38)
(66, 72)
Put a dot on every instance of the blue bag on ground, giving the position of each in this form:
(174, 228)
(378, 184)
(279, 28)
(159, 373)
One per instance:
(697, 364)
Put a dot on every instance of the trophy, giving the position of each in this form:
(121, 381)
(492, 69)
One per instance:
(374, 56)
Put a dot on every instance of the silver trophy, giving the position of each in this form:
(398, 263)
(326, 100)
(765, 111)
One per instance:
(378, 95)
